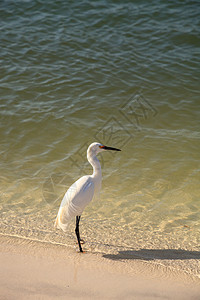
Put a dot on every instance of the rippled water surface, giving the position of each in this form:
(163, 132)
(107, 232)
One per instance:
(122, 73)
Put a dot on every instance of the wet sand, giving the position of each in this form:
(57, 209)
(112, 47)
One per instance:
(34, 270)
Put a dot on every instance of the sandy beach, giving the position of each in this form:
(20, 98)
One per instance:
(35, 270)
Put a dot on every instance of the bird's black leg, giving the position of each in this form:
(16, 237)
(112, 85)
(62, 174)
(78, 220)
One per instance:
(77, 232)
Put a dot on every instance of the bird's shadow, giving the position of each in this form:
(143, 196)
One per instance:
(154, 254)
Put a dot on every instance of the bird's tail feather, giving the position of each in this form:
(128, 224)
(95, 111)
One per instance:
(58, 224)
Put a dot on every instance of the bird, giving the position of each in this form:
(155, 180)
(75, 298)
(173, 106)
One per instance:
(81, 192)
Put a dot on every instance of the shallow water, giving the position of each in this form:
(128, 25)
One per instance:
(124, 74)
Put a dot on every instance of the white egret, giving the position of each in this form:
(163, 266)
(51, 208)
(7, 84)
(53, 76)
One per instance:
(81, 192)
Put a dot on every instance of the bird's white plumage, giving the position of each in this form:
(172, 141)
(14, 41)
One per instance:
(74, 201)
(82, 191)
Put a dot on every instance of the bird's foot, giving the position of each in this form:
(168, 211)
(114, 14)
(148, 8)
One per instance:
(80, 250)
(83, 251)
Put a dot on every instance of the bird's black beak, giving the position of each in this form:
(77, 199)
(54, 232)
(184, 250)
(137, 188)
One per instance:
(109, 148)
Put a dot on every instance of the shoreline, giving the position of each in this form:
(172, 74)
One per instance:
(37, 270)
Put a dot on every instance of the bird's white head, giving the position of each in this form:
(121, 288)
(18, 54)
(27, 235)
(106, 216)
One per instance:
(95, 148)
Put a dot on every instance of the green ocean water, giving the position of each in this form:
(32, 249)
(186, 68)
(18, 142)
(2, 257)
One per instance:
(122, 73)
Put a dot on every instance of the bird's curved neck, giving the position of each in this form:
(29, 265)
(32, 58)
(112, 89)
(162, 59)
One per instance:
(93, 160)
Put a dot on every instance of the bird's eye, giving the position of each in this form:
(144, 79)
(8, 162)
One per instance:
(101, 146)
